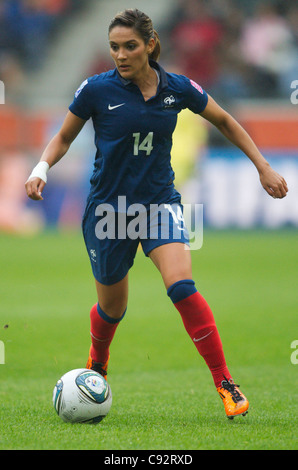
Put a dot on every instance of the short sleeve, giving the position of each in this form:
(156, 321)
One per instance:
(195, 98)
(82, 103)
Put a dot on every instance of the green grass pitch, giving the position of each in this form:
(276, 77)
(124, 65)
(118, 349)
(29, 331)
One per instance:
(163, 394)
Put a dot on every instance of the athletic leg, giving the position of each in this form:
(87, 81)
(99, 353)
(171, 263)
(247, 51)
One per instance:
(113, 298)
(105, 316)
(174, 264)
(173, 261)
(111, 259)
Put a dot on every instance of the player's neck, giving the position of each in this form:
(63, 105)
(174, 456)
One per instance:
(147, 81)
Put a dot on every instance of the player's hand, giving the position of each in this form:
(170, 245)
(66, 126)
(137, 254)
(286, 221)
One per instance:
(34, 188)
(273, 183)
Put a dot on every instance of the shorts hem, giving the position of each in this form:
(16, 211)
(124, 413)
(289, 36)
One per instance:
(162, 242)
(108, 281)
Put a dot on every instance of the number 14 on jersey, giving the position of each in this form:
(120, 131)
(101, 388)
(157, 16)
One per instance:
(145, 145)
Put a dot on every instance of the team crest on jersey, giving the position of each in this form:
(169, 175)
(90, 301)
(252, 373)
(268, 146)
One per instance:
(168, 101)
(93, 255)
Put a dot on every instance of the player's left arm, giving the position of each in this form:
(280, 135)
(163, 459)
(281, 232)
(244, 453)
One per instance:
(272, 182)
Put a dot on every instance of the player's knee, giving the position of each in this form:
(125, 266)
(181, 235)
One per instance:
(111, 313)
(113, 309)
(180, 290)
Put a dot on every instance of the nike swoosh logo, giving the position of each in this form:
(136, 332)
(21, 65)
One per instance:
(200, 339)
(114, 107)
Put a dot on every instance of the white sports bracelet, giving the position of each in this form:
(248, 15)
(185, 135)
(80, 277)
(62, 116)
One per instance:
(40, 171)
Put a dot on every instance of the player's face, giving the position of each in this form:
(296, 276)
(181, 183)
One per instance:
(129, 52)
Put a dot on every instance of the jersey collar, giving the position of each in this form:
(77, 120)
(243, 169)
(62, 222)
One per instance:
(163, 76)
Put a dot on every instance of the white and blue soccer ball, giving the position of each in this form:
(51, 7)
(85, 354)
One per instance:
(82, 396)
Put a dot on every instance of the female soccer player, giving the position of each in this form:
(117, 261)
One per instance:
(134, 112)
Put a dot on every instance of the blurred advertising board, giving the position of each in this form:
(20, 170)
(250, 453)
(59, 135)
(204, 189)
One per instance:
(228, 187)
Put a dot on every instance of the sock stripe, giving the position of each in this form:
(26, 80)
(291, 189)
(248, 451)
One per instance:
(106, 317)
(98, 339)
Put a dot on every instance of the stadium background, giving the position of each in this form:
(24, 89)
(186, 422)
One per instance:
(245, 54)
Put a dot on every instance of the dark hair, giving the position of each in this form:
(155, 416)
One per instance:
(142, 24)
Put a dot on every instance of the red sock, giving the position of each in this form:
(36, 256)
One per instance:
(199, 323)
(102, 332)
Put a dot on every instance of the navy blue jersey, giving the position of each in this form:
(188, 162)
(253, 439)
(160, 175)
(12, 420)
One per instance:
(133, 137)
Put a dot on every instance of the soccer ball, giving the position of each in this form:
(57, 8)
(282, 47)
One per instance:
(82, 396)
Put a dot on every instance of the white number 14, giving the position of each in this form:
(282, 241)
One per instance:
(145, 145)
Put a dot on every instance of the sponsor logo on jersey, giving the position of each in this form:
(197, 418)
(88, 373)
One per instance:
(81, 88)
(110, 107)
(197, 86)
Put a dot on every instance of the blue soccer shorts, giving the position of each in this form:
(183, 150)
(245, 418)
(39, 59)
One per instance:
(112, 238)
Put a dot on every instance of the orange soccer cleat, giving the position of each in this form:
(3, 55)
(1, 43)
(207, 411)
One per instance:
(99, 367)
(234, 401)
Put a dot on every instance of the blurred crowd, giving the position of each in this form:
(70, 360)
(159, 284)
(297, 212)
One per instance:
(26, 31)
(235, 48)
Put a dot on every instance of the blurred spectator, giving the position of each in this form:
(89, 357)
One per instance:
(236, 49)
(195, 42)
(27, 25)
(267, 44)
(56, 7)
(266, 39)
(291, 73)
(11, 74)
(231, 81)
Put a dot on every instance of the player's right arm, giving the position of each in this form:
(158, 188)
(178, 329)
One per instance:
(54, 151)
